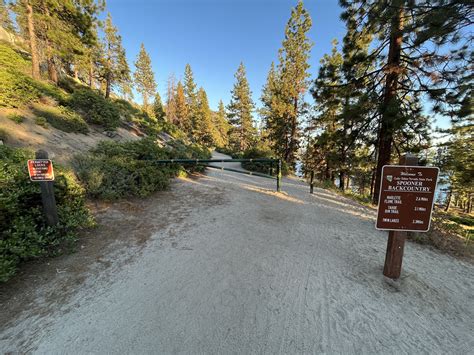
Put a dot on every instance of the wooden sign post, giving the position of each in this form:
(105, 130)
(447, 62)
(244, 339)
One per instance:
(405, 204)
(41, 170)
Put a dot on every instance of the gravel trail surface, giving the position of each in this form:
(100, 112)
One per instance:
(231, 266)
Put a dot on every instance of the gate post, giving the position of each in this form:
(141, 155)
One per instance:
(279, 176)
(47, 195)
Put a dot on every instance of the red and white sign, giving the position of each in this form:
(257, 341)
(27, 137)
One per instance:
(40, 170)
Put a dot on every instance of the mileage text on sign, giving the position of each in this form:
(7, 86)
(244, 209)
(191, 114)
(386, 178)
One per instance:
(406, 197)
(40, 170)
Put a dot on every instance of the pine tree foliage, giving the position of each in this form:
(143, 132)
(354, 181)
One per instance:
(59, 32)
(5, 19)
(203, 131)
(414, 59)
(158, 109)
(221, 126)
(143, 76)
(181, 109)
(240, 109)
(283, 94)
(112, 67)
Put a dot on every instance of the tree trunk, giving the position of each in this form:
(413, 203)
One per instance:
(107, 86)
(448, 199)
(91, 74)
(342, 177)
(290, 154)
(372, 184)
(52, 72)
(35, 70)
(389, 114)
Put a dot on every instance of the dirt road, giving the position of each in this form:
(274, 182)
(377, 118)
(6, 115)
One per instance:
(223, 264)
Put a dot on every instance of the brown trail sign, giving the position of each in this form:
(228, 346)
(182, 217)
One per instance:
(406, 199)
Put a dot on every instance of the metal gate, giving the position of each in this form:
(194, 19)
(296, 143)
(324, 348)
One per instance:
(206, 162)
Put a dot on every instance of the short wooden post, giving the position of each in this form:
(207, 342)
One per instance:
(311, 182)
(47, 195)
(396, 239)
(279, 176)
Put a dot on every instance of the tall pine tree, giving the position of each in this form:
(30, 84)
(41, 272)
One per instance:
(144, 77)
(203, 128)
(289, 84)
(240, 112)
(413, 34)
(112, 65)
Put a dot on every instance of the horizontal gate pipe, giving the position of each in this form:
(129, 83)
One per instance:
(196, 161)
(241, 171)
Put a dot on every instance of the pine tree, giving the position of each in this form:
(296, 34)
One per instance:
(221, 126)
(203, 129)
(274, 124)
(58, 30)
(240, 112)
(405, 29)
(5, 20)
(329, 106)
(190, 88)
(158, 109)
(112, 65)
(144, 77)
(171, 99)
(289, 83)
(181, 108)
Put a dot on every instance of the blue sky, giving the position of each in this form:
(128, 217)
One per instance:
(213, 36)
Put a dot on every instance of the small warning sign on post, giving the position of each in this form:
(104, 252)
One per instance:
(40, 170)
(406, 198)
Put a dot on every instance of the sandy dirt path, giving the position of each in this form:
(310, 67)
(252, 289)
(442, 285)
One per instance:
(230, 266)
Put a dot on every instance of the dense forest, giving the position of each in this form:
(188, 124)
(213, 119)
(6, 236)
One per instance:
(400, 64)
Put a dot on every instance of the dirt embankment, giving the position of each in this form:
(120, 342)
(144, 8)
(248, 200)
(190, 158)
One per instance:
(61, 146)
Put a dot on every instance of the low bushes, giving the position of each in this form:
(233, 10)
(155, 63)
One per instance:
(61, 118)
(115, 170)
(23, 232)
(16, 118)
(95, 108)
(17, 88)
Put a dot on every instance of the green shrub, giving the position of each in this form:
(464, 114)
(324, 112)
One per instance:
(41, 121)
(62, 118)
(114, 170)
(260, 153)
(16, 118)
(68, 84)
(23, 232)
(467, 220)
(3, 135)
(17, 88)
(95, 108)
